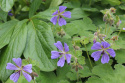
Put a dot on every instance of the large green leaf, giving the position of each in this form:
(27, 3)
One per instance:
(40, 43)
(105, 74)
(34, 6)
(6, 5)
(14, 49)
(3, 15)
(6, 30)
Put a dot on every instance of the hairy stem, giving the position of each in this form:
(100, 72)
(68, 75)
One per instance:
(88, 56)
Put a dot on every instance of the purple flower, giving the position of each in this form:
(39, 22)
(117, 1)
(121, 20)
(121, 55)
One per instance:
(10, 14)
(62, 53)
(103, 48)
(58, 16)
(19, 68)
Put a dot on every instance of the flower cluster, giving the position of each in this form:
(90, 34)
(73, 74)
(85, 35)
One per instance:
(19, 68)
(58, 16)
(63, 52)
(104, 50)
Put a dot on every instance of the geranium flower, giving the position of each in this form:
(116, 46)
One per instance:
(63, 52)
(58, 16)
(19, 68)
(104, 50)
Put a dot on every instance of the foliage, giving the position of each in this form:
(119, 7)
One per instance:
(30, 35)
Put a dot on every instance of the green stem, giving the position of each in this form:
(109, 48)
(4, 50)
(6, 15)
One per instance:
(53, 28)
(105, 27)
(88, 56)
(108, 31)
(34, 81)
(121, 30)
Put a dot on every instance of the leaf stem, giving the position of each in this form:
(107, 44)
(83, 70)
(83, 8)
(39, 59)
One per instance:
(88, 56)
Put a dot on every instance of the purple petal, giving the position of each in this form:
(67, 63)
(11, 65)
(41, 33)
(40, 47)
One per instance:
(10, 14)
(55, 13)
(66, 47)
(105, 44)
(28, 68)
(96, 55)
(54, 54)
(61, 21)
(68, 57)
(27, 76)
(61, 61)
(111, 52)
(62, 8)
(67, 14)
(15, 76)
(18, 61)
(59, 45)
(105, 58)
(11, 66)
(54, 20)
(96, 46)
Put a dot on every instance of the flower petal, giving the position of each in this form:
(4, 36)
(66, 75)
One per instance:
(67, 14)
(105, 44)
(18, 61)
(11, 66)
(96, 55)
(61, 21)
(68, 57)
(27, 76)
(54, 20)
(15, 76)
(111, 52)
(96, 46)
(66, 47)
(54, 54)
(61, 61)
(62, 8)
(105, 58)
(55, 13)
(59, 45)
(10, 14)
(28, 68)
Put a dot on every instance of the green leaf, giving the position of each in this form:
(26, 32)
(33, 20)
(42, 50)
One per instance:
(40, 43)
(64, 81)
(51, 77)
(34, 6)
(3, 15)
(14, 49)
(55, 3)
(72, 4)
(105, 74)
(6, 30)
(111, 2)
(120, 56)
(80, 27)
(6, 5)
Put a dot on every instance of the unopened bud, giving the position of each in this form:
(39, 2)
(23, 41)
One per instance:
(61, 33)
(114, 38)
(33, 74)
(113, 10)
(76, 47)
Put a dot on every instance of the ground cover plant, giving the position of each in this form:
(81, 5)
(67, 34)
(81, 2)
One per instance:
(62, 41)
